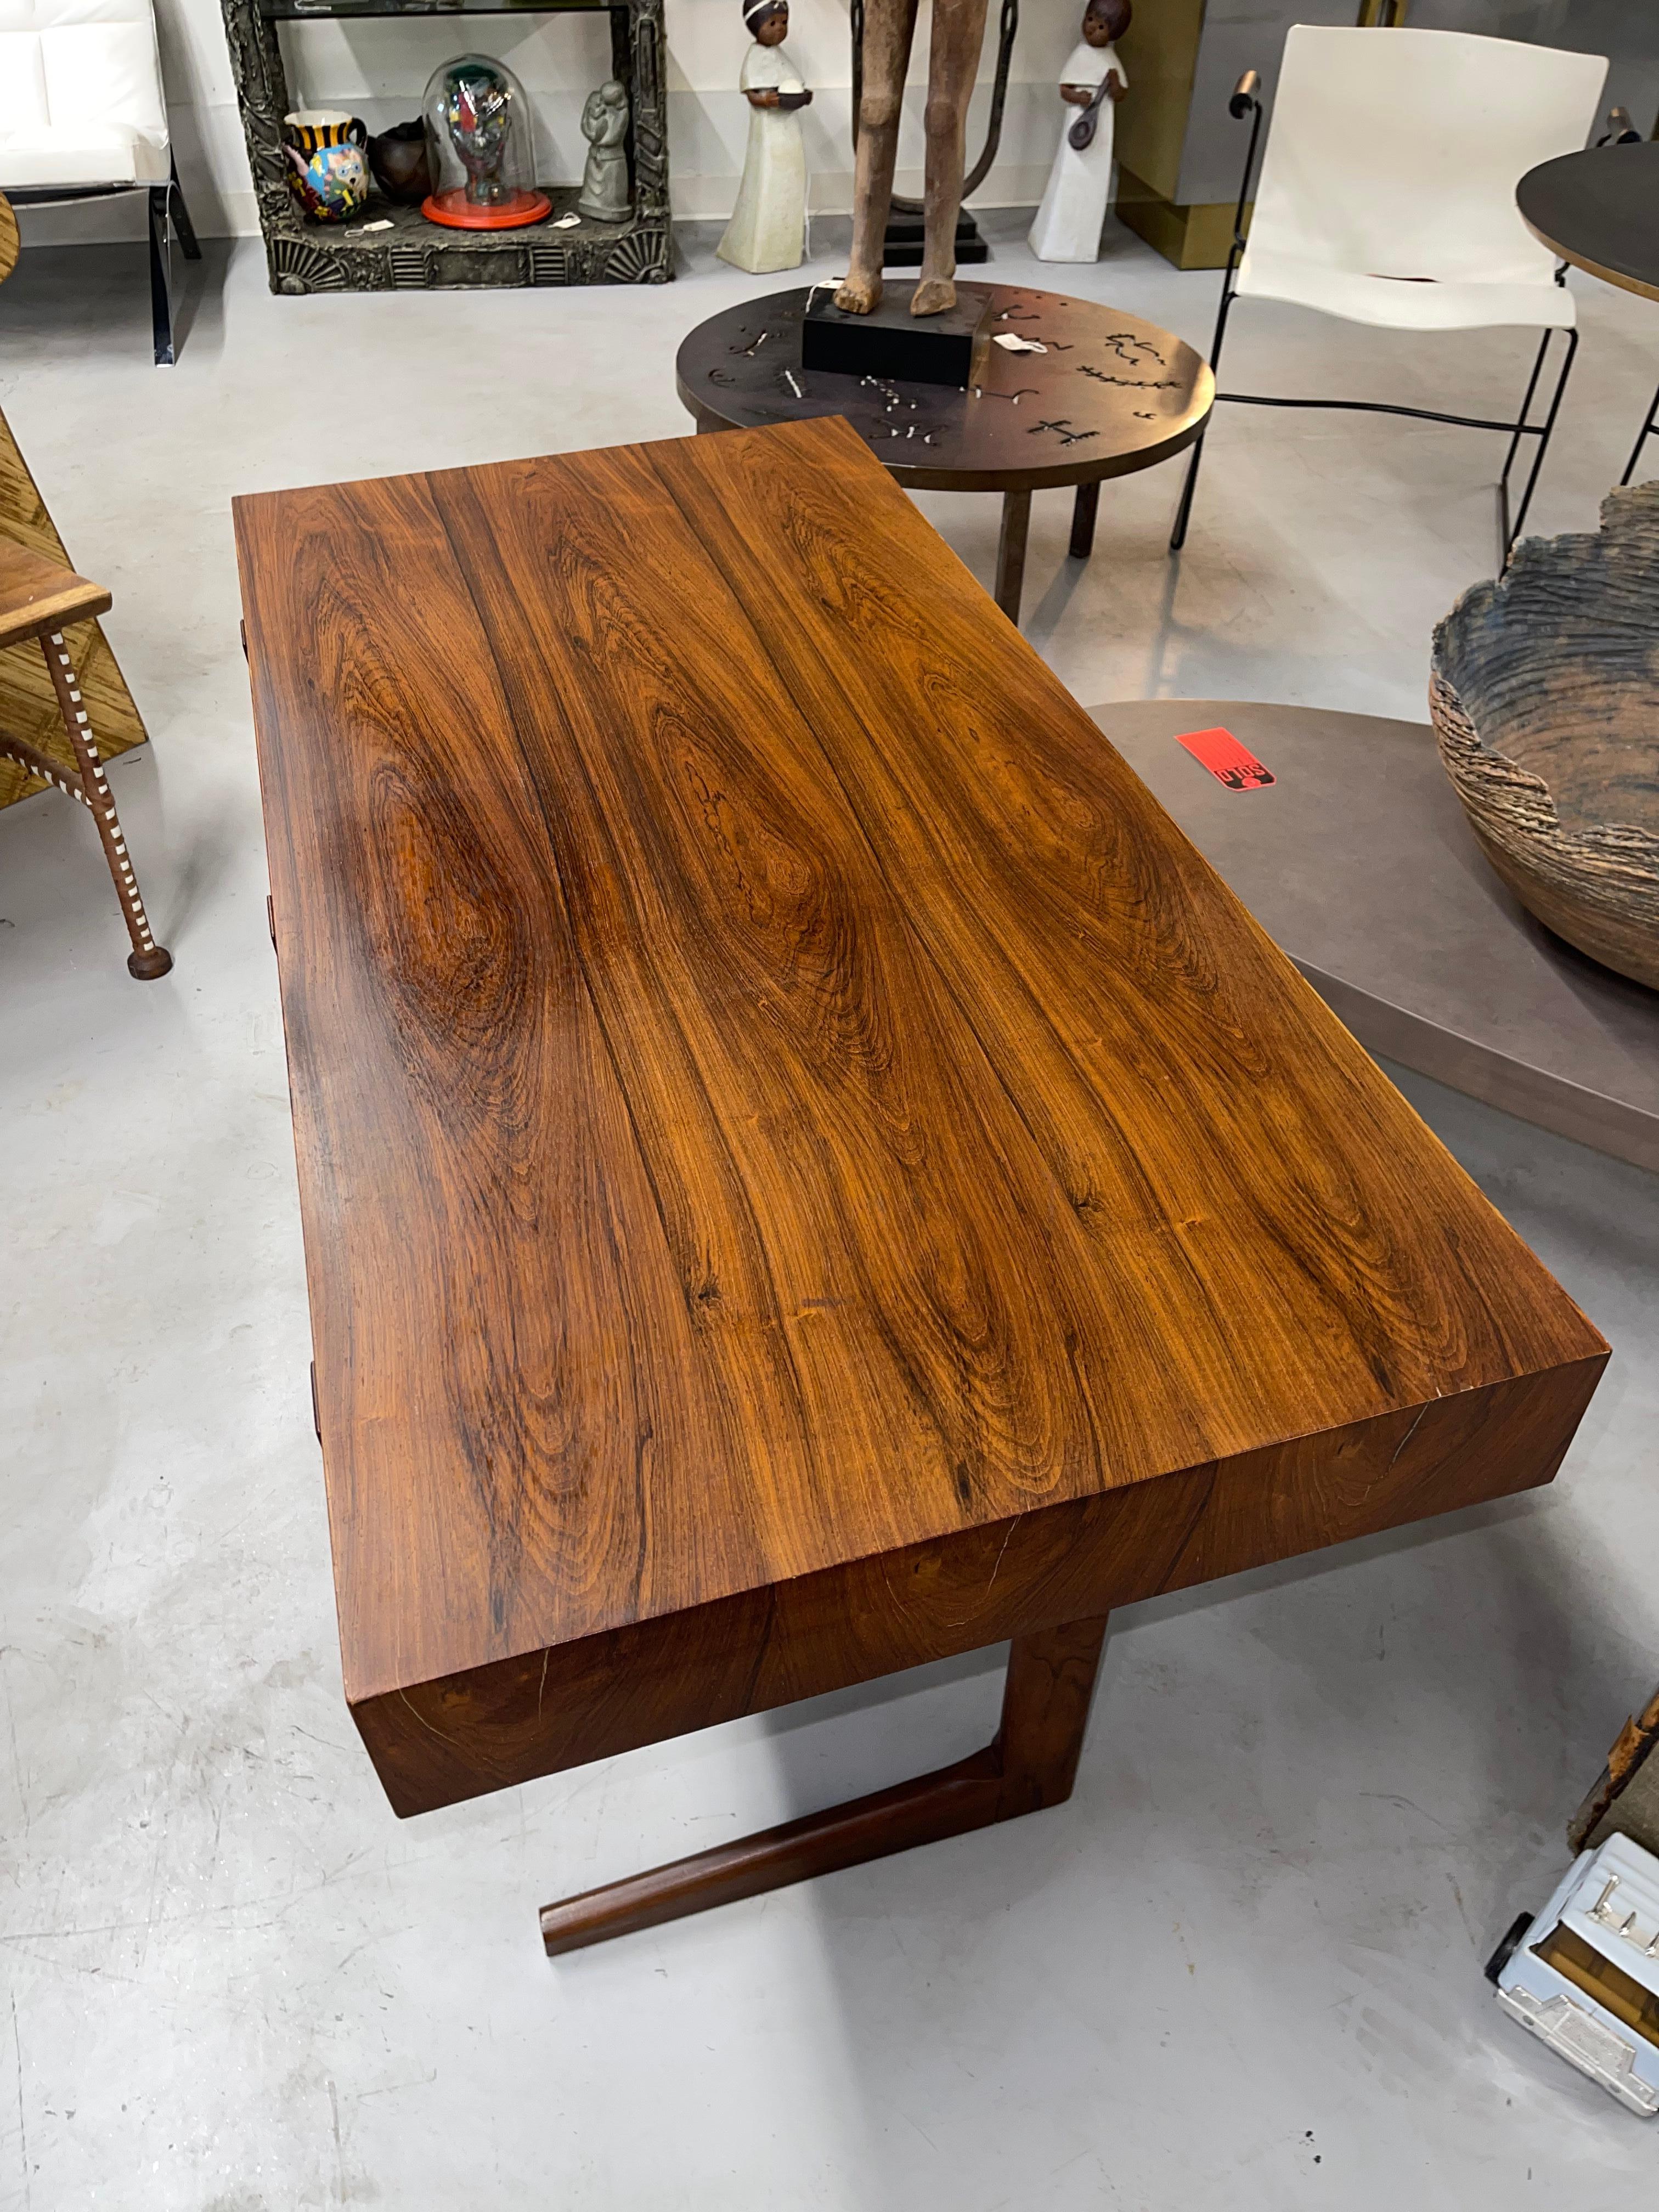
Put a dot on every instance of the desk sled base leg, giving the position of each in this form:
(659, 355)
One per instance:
(1030, 1763)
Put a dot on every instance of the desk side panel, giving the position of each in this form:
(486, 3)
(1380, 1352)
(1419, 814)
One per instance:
(441, 1741)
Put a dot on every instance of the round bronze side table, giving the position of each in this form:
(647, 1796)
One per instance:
(1107, 395)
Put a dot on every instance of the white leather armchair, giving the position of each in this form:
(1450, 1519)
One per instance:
(82, 114)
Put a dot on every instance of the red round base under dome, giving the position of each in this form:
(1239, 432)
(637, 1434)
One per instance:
(454, 210)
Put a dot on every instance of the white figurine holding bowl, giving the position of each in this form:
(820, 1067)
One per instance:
(768, 229)
(1069, 221)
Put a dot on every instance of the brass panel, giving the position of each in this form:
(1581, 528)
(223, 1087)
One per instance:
(1191, 237)
(1160, 54)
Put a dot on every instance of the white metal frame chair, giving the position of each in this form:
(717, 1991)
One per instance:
(1386, 197)
(83, 116)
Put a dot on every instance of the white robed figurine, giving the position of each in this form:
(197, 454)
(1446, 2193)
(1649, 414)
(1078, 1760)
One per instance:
(768, 229)
(1068, 222)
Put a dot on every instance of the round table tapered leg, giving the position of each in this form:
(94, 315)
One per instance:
(1083, 511)
(1011, 552)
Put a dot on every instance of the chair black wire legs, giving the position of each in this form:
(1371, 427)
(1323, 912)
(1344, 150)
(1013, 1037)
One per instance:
(1647, 431)
(1183, 513)
(1508, 530)
(1246, 101)
(1523, 427)
(168, 213)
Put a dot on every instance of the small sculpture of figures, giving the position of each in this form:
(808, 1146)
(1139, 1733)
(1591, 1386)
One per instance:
(768, 229)
(605, 180)
(1068, 222)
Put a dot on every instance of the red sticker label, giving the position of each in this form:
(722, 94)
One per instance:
(1228, 761)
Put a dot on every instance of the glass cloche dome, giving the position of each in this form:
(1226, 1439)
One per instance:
(479, 150)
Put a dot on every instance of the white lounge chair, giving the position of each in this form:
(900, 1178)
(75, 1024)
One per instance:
(82, 115)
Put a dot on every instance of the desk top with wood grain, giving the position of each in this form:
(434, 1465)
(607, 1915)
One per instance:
(803, 1168)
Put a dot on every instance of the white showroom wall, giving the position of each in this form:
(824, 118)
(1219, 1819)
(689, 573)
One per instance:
(378, 69)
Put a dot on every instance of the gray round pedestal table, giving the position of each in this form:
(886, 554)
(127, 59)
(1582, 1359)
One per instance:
(1358, 862)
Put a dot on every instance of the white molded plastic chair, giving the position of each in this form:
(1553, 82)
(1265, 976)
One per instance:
(1386, 196)
(82, 114)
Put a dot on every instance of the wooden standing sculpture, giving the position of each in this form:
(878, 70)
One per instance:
(958, 31)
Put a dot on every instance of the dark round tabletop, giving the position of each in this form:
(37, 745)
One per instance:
(1599, 210)
(1110, 394)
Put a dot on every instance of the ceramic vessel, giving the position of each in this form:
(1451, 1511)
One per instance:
(1545, 700)
(328, 171)
(398, 161)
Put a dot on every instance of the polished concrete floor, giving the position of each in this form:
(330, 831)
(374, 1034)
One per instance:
(1240, 1971)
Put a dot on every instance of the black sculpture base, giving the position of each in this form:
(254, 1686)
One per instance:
(891, 342)
(902, 248)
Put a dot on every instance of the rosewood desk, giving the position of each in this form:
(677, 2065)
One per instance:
(804, 1168)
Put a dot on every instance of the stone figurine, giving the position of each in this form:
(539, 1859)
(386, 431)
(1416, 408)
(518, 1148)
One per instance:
(1068, 222)
(768, 229)
(605, 180)
(958, 31)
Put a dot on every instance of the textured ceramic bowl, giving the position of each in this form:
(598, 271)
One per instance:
(1545, 700)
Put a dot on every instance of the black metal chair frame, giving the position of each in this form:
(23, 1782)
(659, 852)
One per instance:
(167, 212)
(1246, 101)
(1646, 432)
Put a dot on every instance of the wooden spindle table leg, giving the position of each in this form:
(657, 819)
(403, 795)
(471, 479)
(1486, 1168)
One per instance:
(147, 959)
(1031, 1764)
